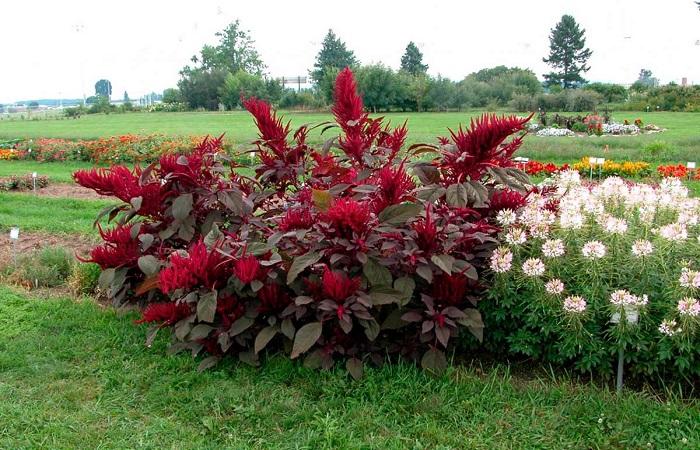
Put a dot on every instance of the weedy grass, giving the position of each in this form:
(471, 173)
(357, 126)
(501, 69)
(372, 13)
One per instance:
(53, 215)
(76, 375)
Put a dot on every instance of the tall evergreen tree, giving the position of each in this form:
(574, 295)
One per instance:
(333, 55)
(412, 60)
(103, 88)
(567, 54)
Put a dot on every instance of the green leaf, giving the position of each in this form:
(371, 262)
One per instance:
(383, 295)
(371, 329)
(399, 214)
(434, 361)
(149, 265)
(206, 307)
(473, 322)
(405, 285)
(213, 236)
(355, 368)
(264, 337)
(457, 196)
(300, 263)
(182, 206)
(425, 272)
(288, 328)
(200, 331)
(207, 363)
(306, 337)
(105, 279)
(322, 199)
(240, 325)
(444, 262)
(376, 274)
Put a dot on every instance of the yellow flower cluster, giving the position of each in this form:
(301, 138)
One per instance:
(610, 167)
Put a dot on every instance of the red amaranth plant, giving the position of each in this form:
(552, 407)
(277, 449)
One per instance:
(347, 255)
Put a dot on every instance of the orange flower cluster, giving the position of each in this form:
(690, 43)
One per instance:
(678, 171)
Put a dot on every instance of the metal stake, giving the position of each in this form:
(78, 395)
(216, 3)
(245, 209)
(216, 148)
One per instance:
(620, 367)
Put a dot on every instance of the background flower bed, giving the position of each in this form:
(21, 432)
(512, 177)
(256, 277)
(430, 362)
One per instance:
(22, 183)
(115, 149)
(333, 255)
(581, 258)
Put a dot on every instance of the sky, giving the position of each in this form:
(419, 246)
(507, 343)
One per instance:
(61, 48)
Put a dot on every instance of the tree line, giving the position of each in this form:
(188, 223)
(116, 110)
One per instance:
(221, 74)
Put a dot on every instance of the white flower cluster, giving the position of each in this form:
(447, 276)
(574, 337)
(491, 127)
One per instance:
(533, 267)
(551, 131)
(642, 248)
(554, 287)
(689, 278)
(623, 298)
(553, 248)
(574, 304)
(501, 260)
(619, 128)
(594, 250)
(669, 327)
(689, 307)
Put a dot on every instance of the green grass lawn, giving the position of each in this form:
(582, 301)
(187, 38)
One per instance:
(76, 375)
(682, 140)
(53, 215)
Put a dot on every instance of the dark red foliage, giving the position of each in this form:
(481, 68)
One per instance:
(167, 313)
(450, 290)
(344, 242)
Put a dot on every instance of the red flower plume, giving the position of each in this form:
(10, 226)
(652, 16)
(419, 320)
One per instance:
(348, 216)
(166, 312)
(199, 267)
(338, 286)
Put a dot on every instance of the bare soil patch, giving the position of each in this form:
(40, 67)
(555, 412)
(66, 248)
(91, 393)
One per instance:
(65, 191)
(32, 240)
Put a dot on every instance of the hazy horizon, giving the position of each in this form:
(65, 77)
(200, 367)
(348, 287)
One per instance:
(141, 46)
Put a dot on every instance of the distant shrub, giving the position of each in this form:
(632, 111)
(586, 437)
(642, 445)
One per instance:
(23, 183)
(656, 149)
(83, 279)
(48, 267)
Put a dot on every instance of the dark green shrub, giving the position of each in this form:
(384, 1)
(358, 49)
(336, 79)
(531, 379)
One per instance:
(83, 278)
(48, 267)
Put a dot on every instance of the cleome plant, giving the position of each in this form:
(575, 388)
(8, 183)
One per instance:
(587, 271)
(348, 253)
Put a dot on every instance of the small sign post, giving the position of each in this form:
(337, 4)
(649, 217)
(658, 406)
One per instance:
(691, 167)
(34, 182)
(600, 162)
(14, 237)
(592, 161)
(632, 317)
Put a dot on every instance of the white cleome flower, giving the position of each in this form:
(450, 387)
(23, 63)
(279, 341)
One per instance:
(501, 260)
(675, 232)
(689, 278)
(642, 247)
(594, 250)
(554, 287)
(506, 217)
(669, 327)
(553, 248)
(689, 307)
(574, 304)
(533, 267)
(516, 236)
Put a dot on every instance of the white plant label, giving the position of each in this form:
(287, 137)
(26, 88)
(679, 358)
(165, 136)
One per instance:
(600, 161)
(14, 233)
(33, 174)
(592, 160)
(691, 165)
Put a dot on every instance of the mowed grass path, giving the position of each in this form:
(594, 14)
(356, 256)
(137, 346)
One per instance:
(682, 138)
(76, 375)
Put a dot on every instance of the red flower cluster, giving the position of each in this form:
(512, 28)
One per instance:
(167, 313)
(678, 171)
(338, 286)
(347, 217)
(538, 168)
(480, 147)
(120, 248)
(198, 267)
